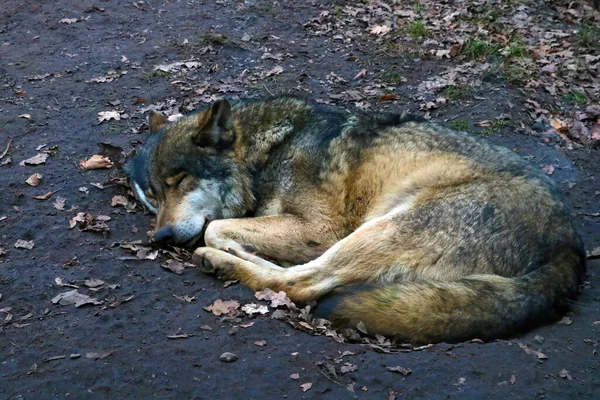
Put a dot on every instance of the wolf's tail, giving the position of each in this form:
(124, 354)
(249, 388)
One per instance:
(478, 306)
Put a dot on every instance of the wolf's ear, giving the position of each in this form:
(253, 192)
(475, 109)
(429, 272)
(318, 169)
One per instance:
(215, 126)
(156, 121)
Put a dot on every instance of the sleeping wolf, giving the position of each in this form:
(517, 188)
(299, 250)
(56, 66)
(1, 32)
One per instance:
(418, 231)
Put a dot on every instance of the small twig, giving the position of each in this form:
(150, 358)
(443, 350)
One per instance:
(597, 214)
(267, 89)
(337, 383)
(6, 150)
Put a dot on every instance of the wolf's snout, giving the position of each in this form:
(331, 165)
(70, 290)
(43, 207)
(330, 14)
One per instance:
(164, 234)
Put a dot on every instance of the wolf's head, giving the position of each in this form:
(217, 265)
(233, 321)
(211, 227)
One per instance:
(189, 170)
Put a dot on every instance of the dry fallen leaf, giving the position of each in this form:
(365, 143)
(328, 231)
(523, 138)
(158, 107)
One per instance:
(74, 297)
(594, 253)
(565, 320)
(260, 343)
(273, 71)
(387, 97)
(45, 196)
(400, 370)
(34, 179)
(295, 376)
(559, 124)
(306, 386)
(24, 244)
(348, 367)
(380, 30)
(60, 282)
(27, 116)
(229, 283)
(549, 169)
(88, 222)
(174, 266)
(360, 74)
(220, 307)
(39, 158)
(93, 283)
(119, 201)
(530, 350)
(252, 309)
(276, 299)
(185, 298)
(95, 162)
(565, 374)
(108, 115)
(59, 203)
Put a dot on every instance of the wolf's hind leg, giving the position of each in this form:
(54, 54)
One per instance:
(377, 251)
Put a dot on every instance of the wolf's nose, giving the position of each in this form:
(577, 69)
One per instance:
(164, 235)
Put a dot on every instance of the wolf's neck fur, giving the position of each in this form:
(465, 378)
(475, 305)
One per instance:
(261, 127)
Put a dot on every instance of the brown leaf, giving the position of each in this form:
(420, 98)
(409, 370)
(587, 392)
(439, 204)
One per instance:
(220, 307)
(400, 370)
(360, 74)
(276, 299)
(95, 162)
(39, 158)
(24, 244)
(34, 179)
(306, 386)
(485, 123)
(549, 169)
(119, 201)
(387, 97)
(559, 124)
(174, 266)
(88, 222)
(261, 343)
(380, 30)
(45, 196)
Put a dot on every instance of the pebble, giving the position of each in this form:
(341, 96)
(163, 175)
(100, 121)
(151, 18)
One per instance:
(228, 357)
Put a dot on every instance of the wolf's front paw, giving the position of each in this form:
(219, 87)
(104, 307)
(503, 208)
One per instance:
(214, 261)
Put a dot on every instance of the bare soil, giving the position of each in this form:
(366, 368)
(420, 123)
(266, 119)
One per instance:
(49, 54)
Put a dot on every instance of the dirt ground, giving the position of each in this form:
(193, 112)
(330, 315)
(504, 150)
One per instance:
(62, 63)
